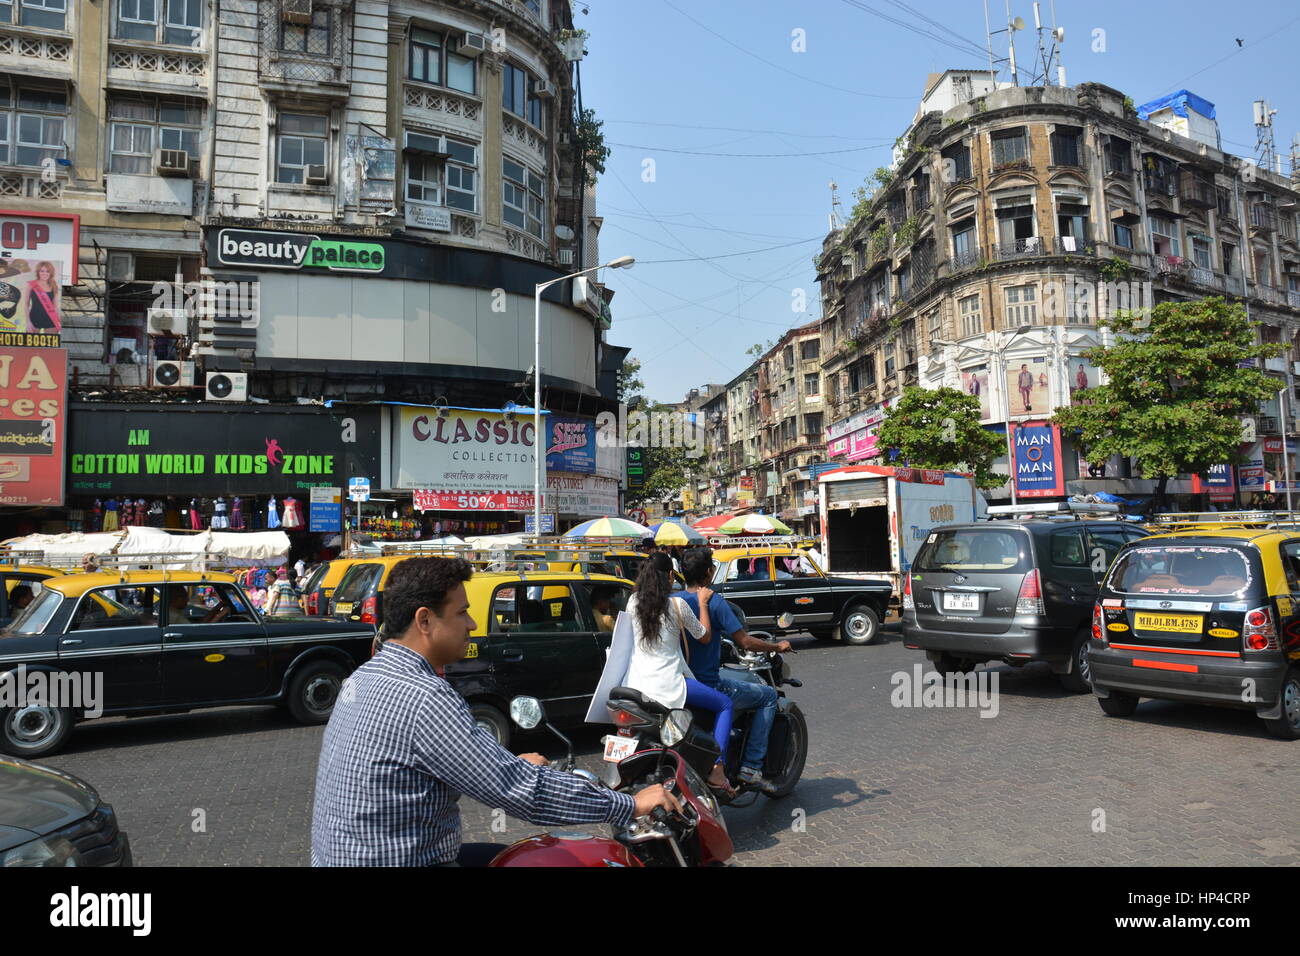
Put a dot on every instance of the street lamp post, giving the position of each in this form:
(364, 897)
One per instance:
(539, 444)
(1000, 354)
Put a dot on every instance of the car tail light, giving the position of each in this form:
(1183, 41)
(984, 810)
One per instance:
(1259, 634)
(312, 604)
(1098, 624)
(1030, 600)
(908, 603)
(368, 608)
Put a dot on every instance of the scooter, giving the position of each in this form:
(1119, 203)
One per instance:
(695, 837)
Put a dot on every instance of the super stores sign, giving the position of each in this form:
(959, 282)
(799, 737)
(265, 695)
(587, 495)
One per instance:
(198, 450)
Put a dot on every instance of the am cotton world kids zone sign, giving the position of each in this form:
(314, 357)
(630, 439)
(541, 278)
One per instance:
(464, 450)
(1037, 460)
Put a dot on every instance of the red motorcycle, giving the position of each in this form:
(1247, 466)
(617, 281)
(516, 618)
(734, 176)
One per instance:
(695, 837)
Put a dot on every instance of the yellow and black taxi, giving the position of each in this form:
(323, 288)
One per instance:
(539, 634)
(769, 581)
(1206, 615)
(142, 642)
(22, 573)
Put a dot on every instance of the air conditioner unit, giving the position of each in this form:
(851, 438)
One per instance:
(226, 387)
(169, 374)
(317, 176)
(164, 321)
(295, 11)
(172, 162)
(543, 88)
(472, 44)
(566, 257)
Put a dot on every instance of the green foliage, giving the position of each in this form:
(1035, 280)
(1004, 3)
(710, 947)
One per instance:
(880, 239)
(1175, 395)
(630, 383)
(883, 175)
(908, 230)
(940, 428)
(861, 204)
(666, 469)
(590, 140)
(1129, 108)
(1115, 269)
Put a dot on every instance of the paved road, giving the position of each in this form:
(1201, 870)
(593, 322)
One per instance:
(884, 785)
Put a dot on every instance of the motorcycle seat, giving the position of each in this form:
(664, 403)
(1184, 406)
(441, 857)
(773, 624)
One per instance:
(630, 694)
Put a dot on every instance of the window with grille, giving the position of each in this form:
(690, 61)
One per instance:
(956, 162)
(138, 127)
(302, 143)
(1119, 156)
(34, 130)
(311, 38)
(1010, 146)
(968, 310)
(810, 349)
(524, 195)
(1065, 146)
(1123, 236)
(1021, 302)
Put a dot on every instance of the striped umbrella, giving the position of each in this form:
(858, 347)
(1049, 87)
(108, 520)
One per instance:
(608, 527)
(755, 524)
(711, 524)
(675, 531)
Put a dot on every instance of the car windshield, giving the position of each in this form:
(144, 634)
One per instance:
(33, 618)
(357, 583)
(975, 549)
(314, 578)
(1211, 571)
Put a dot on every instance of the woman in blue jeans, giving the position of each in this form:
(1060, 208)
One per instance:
(658, 667)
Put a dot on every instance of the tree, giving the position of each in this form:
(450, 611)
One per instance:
(940, 428)
(630, 383)
(1176, 391)
(666, 465)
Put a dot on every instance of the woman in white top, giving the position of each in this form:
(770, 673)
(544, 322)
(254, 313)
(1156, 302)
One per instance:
(658, 668)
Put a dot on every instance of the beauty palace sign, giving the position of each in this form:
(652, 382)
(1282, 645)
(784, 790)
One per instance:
(206, 450)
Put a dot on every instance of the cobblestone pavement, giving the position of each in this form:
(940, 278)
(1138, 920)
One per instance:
(1177, 784)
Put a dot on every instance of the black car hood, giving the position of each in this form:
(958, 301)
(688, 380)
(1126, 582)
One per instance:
(35, 800)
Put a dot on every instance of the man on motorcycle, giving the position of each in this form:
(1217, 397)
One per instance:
(402, 746)
(697, 568)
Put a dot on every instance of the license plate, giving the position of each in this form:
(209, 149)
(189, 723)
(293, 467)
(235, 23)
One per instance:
(342, 608)
(616, 748)
(471, 651)
(961, 602)
(1177, 623)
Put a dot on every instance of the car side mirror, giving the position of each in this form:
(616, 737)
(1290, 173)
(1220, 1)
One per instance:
(527, 712)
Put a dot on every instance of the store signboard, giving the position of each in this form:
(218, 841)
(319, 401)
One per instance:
(213, 449)
(635, 469)
(548, 523)
(326, 511)
(1218, 483)
(582, 495)
(571, 445)
(463, 450)
(431, 500)
(1037, 461)
(33, 425)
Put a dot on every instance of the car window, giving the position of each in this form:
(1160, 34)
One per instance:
(315, 577)
(549, 608)
(504, 612)
(750, 569)
(1103, 545)
(34, 618)
(975, 549)
(118, 607)
(603, 602)
(1201, 570)
(1066, 548)
(358, 583)
(1291, 563)
(208, 604)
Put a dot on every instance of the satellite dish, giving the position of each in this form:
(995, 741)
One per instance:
(1018, 23)
(1059, 33)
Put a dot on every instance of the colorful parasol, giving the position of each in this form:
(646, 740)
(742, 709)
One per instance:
(755, 524)
(608, 527)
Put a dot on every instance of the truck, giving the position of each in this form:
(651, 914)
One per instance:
(874, 518)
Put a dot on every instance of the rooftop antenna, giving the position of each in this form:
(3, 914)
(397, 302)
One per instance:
(1295, 158)
(1013, 24)
(1265, 151)
(835, 219)
(1049, 56)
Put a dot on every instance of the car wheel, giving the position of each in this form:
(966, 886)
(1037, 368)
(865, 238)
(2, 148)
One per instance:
(313, 691)
(1079, 679)
(1118, 705)
(860, 625)
(1288, 725)
(34, 731)
(493, 721)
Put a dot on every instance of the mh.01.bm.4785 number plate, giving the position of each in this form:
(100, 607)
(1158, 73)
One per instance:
(1177, 623)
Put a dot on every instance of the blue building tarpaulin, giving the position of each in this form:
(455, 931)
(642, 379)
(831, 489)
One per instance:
(1178, 102)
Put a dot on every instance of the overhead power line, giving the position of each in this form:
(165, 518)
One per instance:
(701, 152)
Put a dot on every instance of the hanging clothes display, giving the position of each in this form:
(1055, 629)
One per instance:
(219, 518)
(196, 516)
(272, 515)
(110, 515)
(237, 515)
(172, 515)
(155, 515)
(96, 520)
(292, 520)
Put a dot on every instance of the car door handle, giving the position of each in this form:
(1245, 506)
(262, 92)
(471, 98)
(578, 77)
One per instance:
(69, 641)
(512, 654)
(175, 634)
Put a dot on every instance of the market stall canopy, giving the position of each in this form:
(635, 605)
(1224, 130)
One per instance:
(240, 549)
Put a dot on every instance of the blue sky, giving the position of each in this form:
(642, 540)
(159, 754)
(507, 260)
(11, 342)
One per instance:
(676, 78)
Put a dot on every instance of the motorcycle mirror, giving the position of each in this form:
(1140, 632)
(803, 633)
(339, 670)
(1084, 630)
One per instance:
(675, 727)
(785, 621)
(527, 712)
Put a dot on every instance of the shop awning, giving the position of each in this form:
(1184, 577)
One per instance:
(241, 549)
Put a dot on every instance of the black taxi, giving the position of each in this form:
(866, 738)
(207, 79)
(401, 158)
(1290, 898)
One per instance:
(148, 642)
(1209, 616)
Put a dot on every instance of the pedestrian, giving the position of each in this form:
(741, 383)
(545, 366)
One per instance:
(281, 597)
(401, 746)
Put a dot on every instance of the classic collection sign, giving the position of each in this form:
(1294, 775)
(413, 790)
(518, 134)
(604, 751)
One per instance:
(206, 450)
(463, 450)
(33, 414)
(286, 250)
(1037, 460)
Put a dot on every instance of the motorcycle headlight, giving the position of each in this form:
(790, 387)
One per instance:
(41, 852)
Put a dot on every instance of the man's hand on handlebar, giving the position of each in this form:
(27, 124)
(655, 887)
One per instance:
(783, 647)
(655, 796)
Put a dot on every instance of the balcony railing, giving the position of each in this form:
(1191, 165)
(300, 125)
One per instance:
(1074, 246)
(1234, 285)
(1171, 266)
(1020, 248)
(1269, 294)
(967, 259)
(1207, 278)
(1263, 217)
(1293, 299)
(1196, 190)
